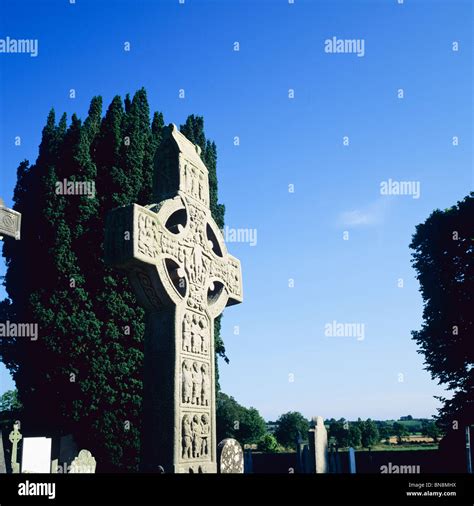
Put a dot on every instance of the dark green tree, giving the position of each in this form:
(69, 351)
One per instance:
(400, 431)
(9, 401)
(431, 430)
(234, 420)
(228, 414)
(338, 429)
(289, 425)
(268, 444)
(252, 426)
(369, 434)
(355, 435)
(443, 258)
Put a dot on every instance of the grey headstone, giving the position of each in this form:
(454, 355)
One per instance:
(352, 461)
(3, 466)
(230, 457)
(318, 446)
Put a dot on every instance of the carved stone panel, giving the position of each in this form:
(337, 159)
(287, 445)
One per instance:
(195, 436)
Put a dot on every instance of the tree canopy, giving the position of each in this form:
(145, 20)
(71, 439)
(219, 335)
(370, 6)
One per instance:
(233, 420)
(289, 426)
(443, 258)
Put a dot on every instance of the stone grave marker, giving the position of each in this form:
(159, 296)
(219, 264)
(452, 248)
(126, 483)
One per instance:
(36, 455)
(178, 265)
(84, 463)
(15, 437)
(10, 222)
(230, 457)
(318, 446)
(3, 466)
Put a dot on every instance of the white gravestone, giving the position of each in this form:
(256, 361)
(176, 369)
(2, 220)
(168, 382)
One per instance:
(36, 456)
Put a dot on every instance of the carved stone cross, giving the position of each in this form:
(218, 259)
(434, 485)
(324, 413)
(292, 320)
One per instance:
(10, 221)
(15, 437)
(178, 265)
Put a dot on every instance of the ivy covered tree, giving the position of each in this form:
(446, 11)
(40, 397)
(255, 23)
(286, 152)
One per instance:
(83, 375)
(443, 258)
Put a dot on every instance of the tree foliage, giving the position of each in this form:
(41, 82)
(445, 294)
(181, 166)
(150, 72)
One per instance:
(369, 433)
(289, 426)
(431, 430)
(9, 401)
(235, 421)
(400, 431)
(268, 444)
(443, 258)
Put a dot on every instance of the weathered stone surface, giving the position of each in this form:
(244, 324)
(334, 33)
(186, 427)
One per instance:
(10, 221)
(318, 446)
(3, 466)
(84, 463)
(178, 265)
(230, 457)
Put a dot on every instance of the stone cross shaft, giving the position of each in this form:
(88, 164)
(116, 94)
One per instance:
(178, 265)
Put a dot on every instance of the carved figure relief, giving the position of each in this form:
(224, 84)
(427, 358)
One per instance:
(187, 382)
(187, 438)
(147, 236)
(205, 384)
(187, 331)
(195, 383)
(196, 432)
(196, 428)
(195, 334)
(205, 432)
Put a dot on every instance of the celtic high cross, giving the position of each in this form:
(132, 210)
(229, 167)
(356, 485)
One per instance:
(178, 265)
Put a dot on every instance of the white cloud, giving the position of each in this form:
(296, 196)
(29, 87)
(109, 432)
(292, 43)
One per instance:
(372, 214)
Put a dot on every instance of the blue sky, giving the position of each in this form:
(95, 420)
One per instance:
(281, 359)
